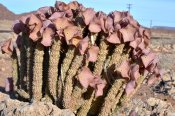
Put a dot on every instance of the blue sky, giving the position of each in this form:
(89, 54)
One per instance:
(161, 12)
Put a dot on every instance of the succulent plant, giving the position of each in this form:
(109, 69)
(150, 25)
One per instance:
(53, 67)
(81, 59)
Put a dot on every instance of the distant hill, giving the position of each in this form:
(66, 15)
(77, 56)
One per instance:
(163, 32)
(164, 28)
(6, 14)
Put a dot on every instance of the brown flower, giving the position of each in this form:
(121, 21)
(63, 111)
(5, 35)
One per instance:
(109, 24)
(71, 32)
(85, 77)
(88, 15)
(113, 38)
(35, 25)
(83, 45)
(136, 42)
(61, 6)
(148, 59)
(118, 16)
(94, 27)
(47, 37)
(134, 72)
(130, 87)
(74, 5)
(124, 69)
(62, 23)
(56, 15)
(17, 27)
(128, 33)
(7, 47)
(92, 53)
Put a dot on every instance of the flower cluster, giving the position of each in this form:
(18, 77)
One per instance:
(79, 26)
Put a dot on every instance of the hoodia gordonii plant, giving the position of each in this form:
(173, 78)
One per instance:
(86, 61)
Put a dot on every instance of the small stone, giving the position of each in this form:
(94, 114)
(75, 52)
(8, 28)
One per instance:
(173, 47)
(172, 91)
(144, 94)
(166, 77)
(151, 101)
(67, 112)
(155, 101)
(168, 46)
(2, 69)
(2, 60)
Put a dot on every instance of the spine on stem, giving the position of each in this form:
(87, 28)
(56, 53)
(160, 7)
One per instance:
(68, 87)
(53, 67)
(97, 71)
(37, 72)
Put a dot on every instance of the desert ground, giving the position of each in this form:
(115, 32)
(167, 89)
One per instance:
(158, 99)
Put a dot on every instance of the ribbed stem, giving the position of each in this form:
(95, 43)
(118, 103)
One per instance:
(86, 106)
(28, 67)
(59, 92)
(23, 61)
(108, 70)
(97, 70)
(117, 99)
(125, 98)
(29, 54)
(31, 63)
(110, 98)
(64, 68)
(38, 72)
(53, 67)
(68, 87)
(15, 72)
(116, 56)
(101, 58)
(45, 86)
(76, 98)
(67, 62)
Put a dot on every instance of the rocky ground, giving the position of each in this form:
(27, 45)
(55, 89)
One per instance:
(155, 100)
(158, 99)
(11, 107)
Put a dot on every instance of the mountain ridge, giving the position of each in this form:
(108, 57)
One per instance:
(6, 14)
(164, 28)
